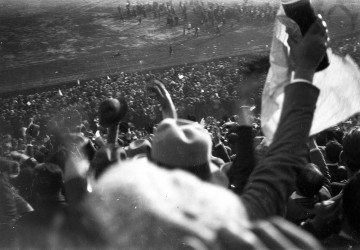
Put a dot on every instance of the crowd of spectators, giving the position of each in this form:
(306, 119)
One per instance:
(200, 14)
(349, 45)
(75, 174)
(206, 85)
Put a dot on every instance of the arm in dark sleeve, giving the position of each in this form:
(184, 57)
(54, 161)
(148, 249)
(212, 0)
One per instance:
(221, 152)
(271, 182)
(244, 162)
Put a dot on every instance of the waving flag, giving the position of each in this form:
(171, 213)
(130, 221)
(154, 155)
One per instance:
(339, 85)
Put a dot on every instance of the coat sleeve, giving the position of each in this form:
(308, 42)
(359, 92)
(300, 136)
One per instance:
(244, 161)
(272, 180)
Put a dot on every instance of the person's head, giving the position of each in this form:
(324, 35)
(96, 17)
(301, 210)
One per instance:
(309, 180)
(9, 168)
(331, 134)
(333, 150)
(186, 145)
(182, 144)
(351, 204)
(29, 163)
(139, 199)
(134, 203)
(48, 179)
(351, 150)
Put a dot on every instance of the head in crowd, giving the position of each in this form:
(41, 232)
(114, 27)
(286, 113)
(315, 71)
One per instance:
(28, 163)
(182, 144)
(48, 179)
(9, 168)
(333, 150)
(351, 205)
(151, 221)
(39, 155)
(351, 150)
(331, 134)
(309, 180)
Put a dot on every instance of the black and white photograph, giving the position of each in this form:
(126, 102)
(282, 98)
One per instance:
(180, 124)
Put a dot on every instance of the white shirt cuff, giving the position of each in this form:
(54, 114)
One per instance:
(300, 80)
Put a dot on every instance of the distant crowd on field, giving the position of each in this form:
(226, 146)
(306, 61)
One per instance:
(200, 14)
(75, 173)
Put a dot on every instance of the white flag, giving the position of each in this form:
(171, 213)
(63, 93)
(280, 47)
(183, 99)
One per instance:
(339, 92)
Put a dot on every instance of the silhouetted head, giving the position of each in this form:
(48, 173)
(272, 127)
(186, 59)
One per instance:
(309, 180)
(333, 150)
(351, 149)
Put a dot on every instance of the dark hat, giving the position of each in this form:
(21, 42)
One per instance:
(33, 130)
(123, 127)
(29, 162)
(351, 149)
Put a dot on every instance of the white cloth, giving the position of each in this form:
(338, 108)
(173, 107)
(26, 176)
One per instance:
(339, 85)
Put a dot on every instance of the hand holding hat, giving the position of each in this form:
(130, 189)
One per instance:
(111, 111)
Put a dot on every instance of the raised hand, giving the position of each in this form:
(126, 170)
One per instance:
(111, 111)
(307, 54)
(77, 163)
(245, 116)
(167, 105)
(216, 135)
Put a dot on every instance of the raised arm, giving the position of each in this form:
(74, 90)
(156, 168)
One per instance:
(167, 105)
(244, 161)
(219, 149)
(271, 182)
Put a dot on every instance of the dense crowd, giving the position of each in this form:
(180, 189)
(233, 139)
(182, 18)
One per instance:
(75, 173)
(349, 45)
(205, 86)
(198, 13)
